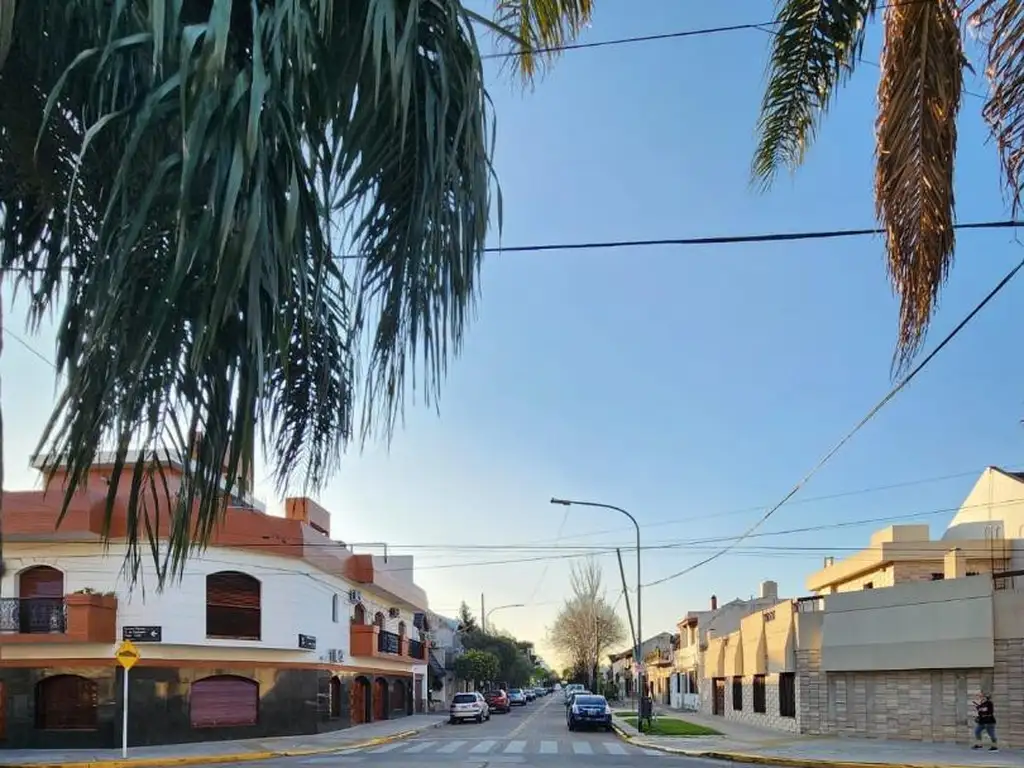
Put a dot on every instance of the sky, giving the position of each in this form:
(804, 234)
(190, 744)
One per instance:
(692, 386)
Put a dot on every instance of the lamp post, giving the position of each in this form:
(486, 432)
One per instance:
(639, 632)
(487, 615)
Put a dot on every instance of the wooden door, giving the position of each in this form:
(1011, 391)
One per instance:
(3, 711)
(718, 703)
(380, 699)
(360, 701)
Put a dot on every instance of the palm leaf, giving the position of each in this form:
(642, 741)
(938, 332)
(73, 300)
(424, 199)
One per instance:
(175, 173)
(539, 27)
(1003, 21)
(815, 46)
(919, 98)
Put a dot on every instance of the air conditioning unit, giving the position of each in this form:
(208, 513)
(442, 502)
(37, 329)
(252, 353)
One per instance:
(355, 596)
(394, 613)
(336, 655)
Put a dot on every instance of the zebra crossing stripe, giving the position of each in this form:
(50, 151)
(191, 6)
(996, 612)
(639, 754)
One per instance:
(450, 747)
(582, 748)
(422, 746)
(614, 748)
(549, 747)
(482, 748)
(387, 748)
(515, 747)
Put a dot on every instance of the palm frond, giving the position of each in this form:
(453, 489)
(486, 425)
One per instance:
(173, 173)
(1003, 23)
(7, 10)
(815, 46)
(539, 28)
(919, 99)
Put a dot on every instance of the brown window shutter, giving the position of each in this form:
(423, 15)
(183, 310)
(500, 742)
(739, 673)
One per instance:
(224, 701)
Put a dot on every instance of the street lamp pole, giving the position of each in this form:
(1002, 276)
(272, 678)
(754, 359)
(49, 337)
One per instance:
(639, 632)
(487, 615)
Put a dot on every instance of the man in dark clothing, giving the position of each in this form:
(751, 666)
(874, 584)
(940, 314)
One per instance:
(984, 720)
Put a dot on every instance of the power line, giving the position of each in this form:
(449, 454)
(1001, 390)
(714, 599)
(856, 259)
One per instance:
(849, 435)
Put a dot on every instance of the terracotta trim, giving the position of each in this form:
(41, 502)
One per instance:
(209, 663)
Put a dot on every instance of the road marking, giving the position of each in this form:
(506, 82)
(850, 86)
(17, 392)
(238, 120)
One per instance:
(582, 748)
(653, 753)
(483, 747)
(515, 747)
(549, 747)
(530, 718)
(614, 748)
(422, 746)
(450, 747)
(386, 748)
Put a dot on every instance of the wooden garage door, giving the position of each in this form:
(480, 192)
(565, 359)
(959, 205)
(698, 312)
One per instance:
(224, 701)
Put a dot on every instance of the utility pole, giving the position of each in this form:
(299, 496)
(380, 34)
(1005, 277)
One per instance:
(483, 616)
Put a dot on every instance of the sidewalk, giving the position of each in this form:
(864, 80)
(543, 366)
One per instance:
(225, 751)
(750, 744)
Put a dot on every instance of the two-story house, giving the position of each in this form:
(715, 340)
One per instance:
(273, 629)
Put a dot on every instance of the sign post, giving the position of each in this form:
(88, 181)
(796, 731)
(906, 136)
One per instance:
(127, 655)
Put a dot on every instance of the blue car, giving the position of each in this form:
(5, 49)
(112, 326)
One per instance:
(589, 711)
(516, 698)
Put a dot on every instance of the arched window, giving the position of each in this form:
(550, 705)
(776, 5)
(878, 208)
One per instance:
(378, 619)
(359, 614)
(41, 600)
(41, 582)
(224, 700)
(66, 703)
(233, 606)
(335, 608)
(336, 696)
(401, 630)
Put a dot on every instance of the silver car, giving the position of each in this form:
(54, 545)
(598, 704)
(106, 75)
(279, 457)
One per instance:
(468, 706)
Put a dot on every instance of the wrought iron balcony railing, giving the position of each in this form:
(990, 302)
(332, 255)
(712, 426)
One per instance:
(416, 649)
(389, 642)
(33, 616)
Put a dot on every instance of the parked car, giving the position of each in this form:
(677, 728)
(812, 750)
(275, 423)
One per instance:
(497, 701)
(589, 711)
(516, 698)
(572, 697)
(468, 706)
(570, 689)
(531, 695)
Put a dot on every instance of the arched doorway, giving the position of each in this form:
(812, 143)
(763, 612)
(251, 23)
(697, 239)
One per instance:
(335, 693)
(41, 600)
(360, 706)
(398, 694)
(380, 699)
(359, 614)
(378, 619)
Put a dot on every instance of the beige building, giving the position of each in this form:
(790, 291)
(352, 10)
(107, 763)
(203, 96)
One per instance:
(896, 638)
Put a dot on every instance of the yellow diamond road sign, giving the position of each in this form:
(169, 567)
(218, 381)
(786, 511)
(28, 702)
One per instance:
(127, 654)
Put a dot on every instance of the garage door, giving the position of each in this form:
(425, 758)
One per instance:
(224, 701)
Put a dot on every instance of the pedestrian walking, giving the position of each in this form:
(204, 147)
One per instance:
(984, 721)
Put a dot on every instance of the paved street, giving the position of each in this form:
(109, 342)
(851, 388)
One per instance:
(532, 736)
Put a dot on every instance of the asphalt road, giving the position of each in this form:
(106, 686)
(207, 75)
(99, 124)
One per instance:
(529, 737)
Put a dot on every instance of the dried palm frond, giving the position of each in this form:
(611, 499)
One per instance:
(537, 26)
(815, 47)
(919, 99)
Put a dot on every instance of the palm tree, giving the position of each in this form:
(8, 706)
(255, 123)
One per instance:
(178, 178)
(817, 44)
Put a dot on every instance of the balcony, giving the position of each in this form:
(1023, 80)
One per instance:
(370, 641)
(389, 643)
(417, 650)
(71, 619)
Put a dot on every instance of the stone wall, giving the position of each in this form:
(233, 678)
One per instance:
(770, 718)
(811, 693)
(1008, 691)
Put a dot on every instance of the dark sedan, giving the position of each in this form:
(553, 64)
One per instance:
(589, 711)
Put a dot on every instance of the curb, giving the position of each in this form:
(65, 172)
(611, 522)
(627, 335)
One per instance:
(240, 757)
(792, 762)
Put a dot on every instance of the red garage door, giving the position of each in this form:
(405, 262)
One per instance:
(224, 701)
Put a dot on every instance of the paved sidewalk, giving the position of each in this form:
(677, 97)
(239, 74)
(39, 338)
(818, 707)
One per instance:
(225, 751)
(751, 744)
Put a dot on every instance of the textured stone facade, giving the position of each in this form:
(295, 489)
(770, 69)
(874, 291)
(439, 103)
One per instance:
(770, 718)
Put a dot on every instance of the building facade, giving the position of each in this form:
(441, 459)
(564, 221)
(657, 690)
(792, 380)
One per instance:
(275, 629)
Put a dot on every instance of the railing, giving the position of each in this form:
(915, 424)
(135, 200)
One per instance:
(388, 642)
(416, 649)
(33, 616)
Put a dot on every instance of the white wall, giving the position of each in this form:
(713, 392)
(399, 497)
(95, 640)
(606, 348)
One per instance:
(295, 597)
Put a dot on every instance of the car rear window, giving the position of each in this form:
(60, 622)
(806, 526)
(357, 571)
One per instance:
(590, 701)
(515, 690)
(464, 698)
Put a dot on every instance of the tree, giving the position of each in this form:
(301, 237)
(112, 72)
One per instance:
(817, 45)
(467, 622)
(184, 178)
(477, 667)
(586, 625)
(514, 667)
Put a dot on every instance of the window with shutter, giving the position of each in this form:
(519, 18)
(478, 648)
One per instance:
(224, 701)
(40, 581)
(66, 703)
(233, 606)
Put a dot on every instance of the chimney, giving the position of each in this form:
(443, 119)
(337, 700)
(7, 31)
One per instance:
(954, 564)
(769, 589)
(830, 561)
(714, 603)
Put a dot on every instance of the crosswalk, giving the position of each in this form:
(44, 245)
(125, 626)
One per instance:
(478, 748)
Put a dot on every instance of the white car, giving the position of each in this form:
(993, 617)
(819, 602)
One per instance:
(570, 689)
(468, 706)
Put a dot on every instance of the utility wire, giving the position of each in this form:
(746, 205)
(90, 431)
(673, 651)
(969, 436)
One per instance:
(849, 435)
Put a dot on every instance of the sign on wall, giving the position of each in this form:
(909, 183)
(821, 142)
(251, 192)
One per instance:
(307, 642)
(142, 634)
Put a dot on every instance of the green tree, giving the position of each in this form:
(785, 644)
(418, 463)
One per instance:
(816, 47)
(477, 667)
(467, 622)
(183, 177)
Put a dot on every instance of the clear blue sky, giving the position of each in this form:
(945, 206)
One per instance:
(679, 383)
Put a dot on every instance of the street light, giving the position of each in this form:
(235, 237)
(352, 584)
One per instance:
(639, 631)
(487, 615)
